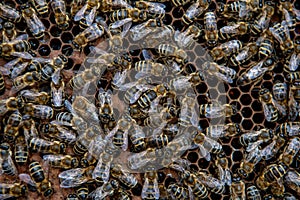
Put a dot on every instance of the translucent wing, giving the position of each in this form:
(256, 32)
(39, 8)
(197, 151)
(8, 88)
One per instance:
(120, 23)
(194, 10)
(254, 146)
(80, 14)
(158, 8)
(125, 143)
(27, 179)
(267, 152)
(204, 153)
(53, 157)
(230, 29)
(119, 78)
(126, 28)
(21, 37)
(91, 16)
(294, 62)
(101, 170)
(17, 70)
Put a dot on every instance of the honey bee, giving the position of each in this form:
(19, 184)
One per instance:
(38, 111)
(215, 110)
(214, 184)
(76, 177)
(211, 30)
(9, 32)
(151, 7)
(137, 137)
(290, 151)
(33, 96)
(206, 145)
(187, 38)
(139, 160)
(217, 131)
(178, 192)
(10, 104)
(28, 79)
(244, 54)
(7, 165)
(52, 68)
(37, 178)
(125, 178)
(280, 91)
(89, 34)
(12, 190)
(288, 129)
(256, 72)
(293, 77)
(150, 188)
(82, 192)
(226, 49)
(270, 110)
(41, 6)
(107, 189)
(266, 47)
(88, 159)
(290, 18)
(280, 32)
(292, 64)
(44, 146)
(188, 115)
(292, 180)
(106, 114)
(270, 175)
(35, 25)
(9, 13)
(171, 51)
(261, 23)
(194, 11)
(69, 119)
(135, 15)
(238, 188)
(222, 72)
(144, 101)
(62, 161)
(11, 129)
(76, 5)
(293, 102)
(253, 193)
(148, 68)
(21, 150)
(61, 17)
(159, 141)
(227, 32)
(223, 172)
(57, 95)
(15, 47)
(87, 13)
(263, 134)
(72, 197)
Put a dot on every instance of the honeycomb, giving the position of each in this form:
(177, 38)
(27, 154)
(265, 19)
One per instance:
(250, 113)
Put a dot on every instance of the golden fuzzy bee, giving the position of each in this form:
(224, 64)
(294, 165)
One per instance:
(21, 150)
(28, 79)
(227, 32)
(93, 32)
(106, 114)
(217, 131)
(62, 161)
(253, 193)
(87, 13)
(221, 71)
(9, 32)
(38, 179)
(9, 13)
(10, 104)
(215, 110)
(135, 15)
(35, 25)
(7, 165)
(12, 190)
(178, 192)
(61, 17)
(41, 6)
(246, 53)
(270, 110)
(194, 11)
(256, 71)
(238, 188)
(226, 49)
(125, 178)
(76, 177)
(263, 134)
(44, 146)
(150, 189)
(15, 47)
(211, 30)
(148, 68)
(11, 130)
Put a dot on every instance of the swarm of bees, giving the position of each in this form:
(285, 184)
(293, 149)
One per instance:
(149, 99)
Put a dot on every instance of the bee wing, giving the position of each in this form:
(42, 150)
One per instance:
(224, 77)
(21, 37)
(268, 111)
(101, 170)
(80, 14)
(233, 29)
(5, 196)
(36, 24)
(256, 71)
(52, 158)
(145, 188)
(194, 10)
(267, 152)
(138, 33)
(158, 8)
(204, 153)
(294, 62)
(297, 13)
(293, 177)
(191, 193)
(98, 193)
(91, 16)
(254, 146)
(119, 78)
(224, 175)
(126, 28)
(125, 143)
(72, 173)
(72, 182)
(27, 179)
(281, 108)
(120, 23)
(146, 54)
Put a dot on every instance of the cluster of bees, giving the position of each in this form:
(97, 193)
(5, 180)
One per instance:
(148, 106)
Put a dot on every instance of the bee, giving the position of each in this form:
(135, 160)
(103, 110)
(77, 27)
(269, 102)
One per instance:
(291, 65)
(270, 110)
(263, 134)
(214, 184)
(61, 17)
(35, 25)
(122, 195)
(238, 188)
(7, 165)
(57, 95)
(256, 72)
(137, 137)
(41, 6)
(194, 11)
(28, 79)
(139, 160)
(9, 13)
(62, 161)
(170, 51)
(226, 49)
(69, 119)
(189, 36)
(87, 13)
(178, 192)
(161, 118)
(223, 170)
(11, 129)
(151, 7)
(288, 129)
(93, 32)
(188, 115)
(290, 151)
(227, 32)
(261, 23)
(145, 100)
(206, 145)
(37, 178)
(159, 141)
(82, 192)
(125, 178)
(293, 76)
(33, 96)
(280, 91)
(266, 47)
(76, 177)
(217, 131)
(280, 32)
(211, 30)
(215, 110)
(106, 114)
(72, 197)
(15, 47)
(150, 188)
(290, 19)
(270, 175)
(76, 5)
(10, 104)
(244, 54)
(52, 68)
(253, 193)
(292, 180)
(107, 189)
(148, 68)
(21, 150)
(88, 159)
(9, 32)
(12, 190)
(222, 72)
(44, 146)
(38, 111)
(135, 15)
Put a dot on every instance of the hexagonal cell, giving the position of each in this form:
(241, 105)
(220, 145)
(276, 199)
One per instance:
(67, 50)
(177, 12)
(246, 112)
(192, 157)
(44, 50)
(237, 156)
(34, 43)
(55, 44)
(258, 118)
(246, 99)
(247, 124)
(67, 37)
(55, 31)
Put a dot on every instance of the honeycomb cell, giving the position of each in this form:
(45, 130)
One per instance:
(236, 143)
(237, 156)
(258, 118)
(246, 112)
(67, 50)
(192, 157)
(34, 43)
(227, 149)
(137, 190)
(55, 44)
(202, 163)
(247, 124)
(234, 93)
(46, 23)
(256, 105)
(76, 67)
(167, 19)
(161, 177)
(70, 64)
(55, 31)
(67, 37)
(245, 99)
(76, 30)
(177, 12)
(178, 25)
(52, 18)
(44, 50)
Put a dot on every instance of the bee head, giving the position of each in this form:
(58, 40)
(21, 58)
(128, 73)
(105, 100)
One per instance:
(48, 192)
